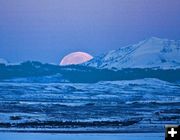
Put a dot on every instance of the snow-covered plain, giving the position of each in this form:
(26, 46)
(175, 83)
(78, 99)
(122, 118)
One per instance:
(40, 136)
(121, 106)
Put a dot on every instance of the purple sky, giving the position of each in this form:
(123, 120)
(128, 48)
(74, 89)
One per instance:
(46, 30)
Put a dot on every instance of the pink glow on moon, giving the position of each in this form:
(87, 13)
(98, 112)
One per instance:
(76, 58)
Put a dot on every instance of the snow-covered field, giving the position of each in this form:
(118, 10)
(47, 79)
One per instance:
(40, 136)
(143, 105)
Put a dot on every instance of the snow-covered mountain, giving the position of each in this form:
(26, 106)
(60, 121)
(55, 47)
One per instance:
(151, 53)
(3, 61)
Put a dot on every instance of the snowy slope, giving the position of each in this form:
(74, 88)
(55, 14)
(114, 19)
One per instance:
(151, 53)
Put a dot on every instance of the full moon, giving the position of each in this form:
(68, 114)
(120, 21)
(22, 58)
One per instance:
(76, 58)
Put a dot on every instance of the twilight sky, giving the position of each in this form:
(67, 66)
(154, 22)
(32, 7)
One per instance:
(46, 30)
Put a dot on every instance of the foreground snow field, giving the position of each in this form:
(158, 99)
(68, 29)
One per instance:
(39, 136)
(124, 106)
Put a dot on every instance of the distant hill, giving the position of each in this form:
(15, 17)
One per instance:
(47, 73)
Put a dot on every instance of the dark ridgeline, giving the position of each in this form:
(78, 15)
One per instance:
(37, 71)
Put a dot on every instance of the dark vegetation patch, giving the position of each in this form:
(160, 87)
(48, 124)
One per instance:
(14, 118)
(69, 124)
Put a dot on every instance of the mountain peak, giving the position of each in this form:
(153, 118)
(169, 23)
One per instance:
(150, 53)
(154, 38)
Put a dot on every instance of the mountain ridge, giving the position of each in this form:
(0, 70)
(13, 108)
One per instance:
(150, 53)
